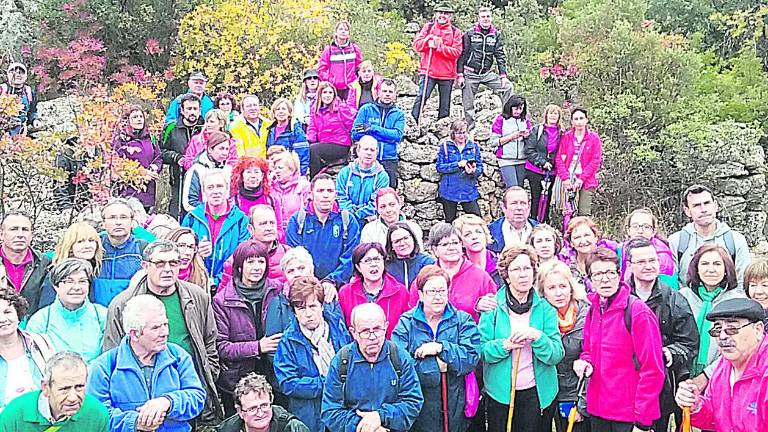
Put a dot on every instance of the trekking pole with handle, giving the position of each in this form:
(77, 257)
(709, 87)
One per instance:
(444, 384)
(686, 423)
(512, 389)
(424, 89)
(572, 413)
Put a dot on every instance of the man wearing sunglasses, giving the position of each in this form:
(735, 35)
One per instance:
(191, 324)
(17, 86)
(736, 399)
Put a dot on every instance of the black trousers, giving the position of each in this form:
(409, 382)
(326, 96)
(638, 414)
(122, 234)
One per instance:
(535, 180)
(390, 166)
(602, 425)
(323, 154)
(443, 88)
(450, 208)
(527, 416)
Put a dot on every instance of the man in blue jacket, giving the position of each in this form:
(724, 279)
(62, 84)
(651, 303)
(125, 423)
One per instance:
(219, 226)
(358, 182)
(146, 383)
(329, 234)
(196, 83)
(384, 121)
(515, 226)
(371, 383)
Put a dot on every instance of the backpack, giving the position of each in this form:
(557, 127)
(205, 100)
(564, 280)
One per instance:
(302, 217)
(344, 352)
(27, 91)
(685, 239)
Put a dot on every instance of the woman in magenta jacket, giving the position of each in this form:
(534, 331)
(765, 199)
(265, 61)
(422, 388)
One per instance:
(580, 173)
(372, 284)
(622, 357)
(339, 61)
(330, 129)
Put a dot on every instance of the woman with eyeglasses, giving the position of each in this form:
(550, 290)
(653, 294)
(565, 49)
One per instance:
(306, 349)
(191, 268)
(405, 258)
(445, 345)
(642, 223)
(711, 279)
(521, 333)
(372, 284)
(72, 322)
(240, 310)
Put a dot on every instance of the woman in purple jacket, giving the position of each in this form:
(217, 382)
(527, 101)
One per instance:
(240, 310)
(132, 141)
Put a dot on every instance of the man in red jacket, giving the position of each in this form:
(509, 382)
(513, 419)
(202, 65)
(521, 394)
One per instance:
(440, 44)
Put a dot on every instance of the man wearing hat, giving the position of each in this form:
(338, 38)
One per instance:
(440, 44)
(196, 83)
(302, 106)
(17, 85)
(736, 399)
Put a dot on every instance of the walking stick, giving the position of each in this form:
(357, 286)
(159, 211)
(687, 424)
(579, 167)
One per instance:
(444, 383)
(512, 389)
(572, 413)
(424, 89)
(686, 427)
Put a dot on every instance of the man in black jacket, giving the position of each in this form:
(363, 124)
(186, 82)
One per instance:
(680, 336)
(175, 139)
(25, 268)
(482, 45)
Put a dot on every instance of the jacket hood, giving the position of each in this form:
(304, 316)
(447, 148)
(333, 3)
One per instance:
(491, 30)
(357, 170)
(335, 322)
(720, 231)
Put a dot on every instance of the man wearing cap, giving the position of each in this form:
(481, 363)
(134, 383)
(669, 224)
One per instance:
(440, 43)
(196, 83)
(482, 45)
(17, 86)
(736, 399)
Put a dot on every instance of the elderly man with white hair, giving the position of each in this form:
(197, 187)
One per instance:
(147, 383)
(371, 384)
(358, 182)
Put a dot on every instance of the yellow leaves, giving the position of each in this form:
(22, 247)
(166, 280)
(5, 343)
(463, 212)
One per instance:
(398, 55)
(10, 105)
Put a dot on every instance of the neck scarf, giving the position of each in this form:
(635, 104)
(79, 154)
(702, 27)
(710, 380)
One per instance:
(567, 322)
(322, 348)
(707, 297)
(515, 306)
(251, 194)
(185, 272)
(254, 294)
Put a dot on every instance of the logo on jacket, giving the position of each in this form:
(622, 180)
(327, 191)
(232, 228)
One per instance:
(752, 408)
(336, 231)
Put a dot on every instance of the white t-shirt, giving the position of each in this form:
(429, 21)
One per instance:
(18, 379)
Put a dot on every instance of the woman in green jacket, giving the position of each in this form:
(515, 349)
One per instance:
(521, 330)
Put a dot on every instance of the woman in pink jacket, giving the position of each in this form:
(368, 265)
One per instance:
(472, 289)
(621, 356)
(578, 160)
(289, 189)
(339, 61)
(371, 284)
(215, 121)
(330, 129)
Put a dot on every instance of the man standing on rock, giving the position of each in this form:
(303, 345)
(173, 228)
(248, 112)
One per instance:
(439, 43)
(384, 121)
(196, 83)
(482, 44)
(174, 145)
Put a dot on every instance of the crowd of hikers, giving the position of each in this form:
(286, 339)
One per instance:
(273, 296)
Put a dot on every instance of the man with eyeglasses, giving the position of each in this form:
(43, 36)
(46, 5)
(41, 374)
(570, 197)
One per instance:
(256, 412)
(17, 86)
(679, 334)
(372, 384)
(622, 352)
(191, 322)
(736, 399)
(122, 252)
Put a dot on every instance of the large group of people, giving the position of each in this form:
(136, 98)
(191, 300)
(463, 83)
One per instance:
(275, 296)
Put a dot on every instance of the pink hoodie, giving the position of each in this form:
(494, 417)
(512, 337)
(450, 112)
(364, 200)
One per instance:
(591, 157)
(197, 145)
(290, 197)
(467, 286)
(332, 125)
(616, 390)
(393, 298)
(743, 409)
(275, 272)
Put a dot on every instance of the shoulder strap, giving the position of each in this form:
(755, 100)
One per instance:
(302, 216)
(628, 313)
(344, 224)
(682, 245)
(394, 358)
(541, 131)
(344, 366)
(730, 244)
(28, 91)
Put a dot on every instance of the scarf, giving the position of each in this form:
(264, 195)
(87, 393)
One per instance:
(567, 322)
(251, 194)
(322, 348)
(707, 297)
(517, 307)
(185, 272)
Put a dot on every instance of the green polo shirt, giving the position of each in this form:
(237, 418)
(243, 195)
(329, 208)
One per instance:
(23, 415)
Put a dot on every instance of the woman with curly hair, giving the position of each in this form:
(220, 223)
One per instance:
(250, 185)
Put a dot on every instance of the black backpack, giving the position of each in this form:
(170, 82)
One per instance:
(344, 353)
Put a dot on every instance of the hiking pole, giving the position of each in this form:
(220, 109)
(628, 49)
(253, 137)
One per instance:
(572, 413)
(686, 423)
(512, 389)
(444, 384)
(424, 89)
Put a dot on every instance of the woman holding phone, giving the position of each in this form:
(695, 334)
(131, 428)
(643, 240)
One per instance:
(460, 165)
(510, 131)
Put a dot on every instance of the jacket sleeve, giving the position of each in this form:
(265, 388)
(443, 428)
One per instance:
(292, 237)
(462, 356)
(532, 149)
(685, 333)
(191, 152)
(187, 402)
(335, 415)
(492, 348)
(444, 163)
(191, 194)
(420, 43)
(478, 162)
(231, 350)
(590, 170)
(501, 55)
(324, 64)
(586, 335)
(549, 347)
(395, 133)
(646, 339)
(466, 45)
(344, 271)
(342, 197)
(703, 412)
(452, 51)
(293, 383)
(210, 335)
(99, 384)
(301, 147)
(360, 119)
(401, 414)
(312, 127)
(170, 156)
(347, 114)
(400, 334)
(113, 329)
(173, 111)
(369, 208)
